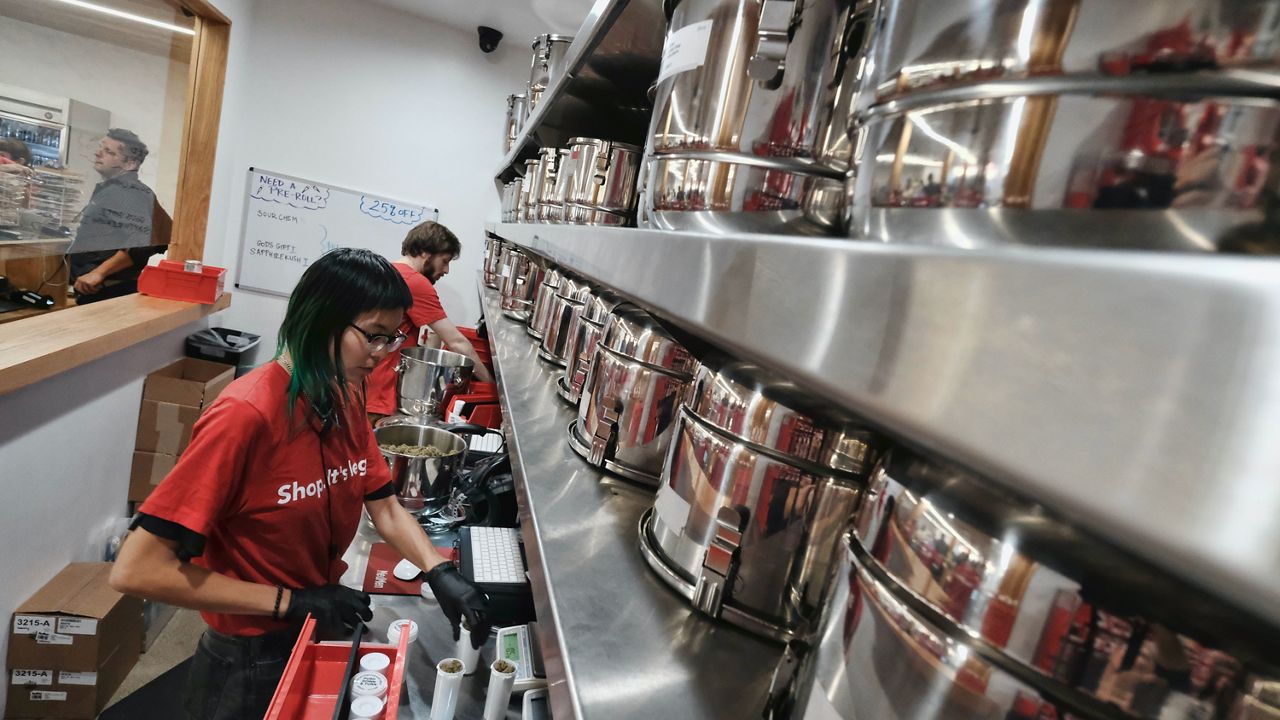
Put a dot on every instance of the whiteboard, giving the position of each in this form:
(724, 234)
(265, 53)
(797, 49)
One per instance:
(289, 222)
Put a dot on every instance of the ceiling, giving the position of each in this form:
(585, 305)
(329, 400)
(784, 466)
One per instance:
(517, 19)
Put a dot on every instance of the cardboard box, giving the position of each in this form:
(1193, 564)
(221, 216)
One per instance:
(148, 470)
(71, 644)
(190, 382)
(165, 427)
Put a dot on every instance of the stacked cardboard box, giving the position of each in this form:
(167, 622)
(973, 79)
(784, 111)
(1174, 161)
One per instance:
(71, 645)
(172, 399)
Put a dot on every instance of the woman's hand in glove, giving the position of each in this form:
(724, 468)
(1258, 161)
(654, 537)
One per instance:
(332, 606)
(460, 599)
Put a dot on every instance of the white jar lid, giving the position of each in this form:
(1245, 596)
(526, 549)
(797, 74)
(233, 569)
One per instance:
(375, 662)
(369, 683)
(395, 628)
(366, 707)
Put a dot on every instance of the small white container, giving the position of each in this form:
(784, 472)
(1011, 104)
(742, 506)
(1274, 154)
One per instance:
(397, 626)
(502, 675)
(469, 656)
(375, 662)
(367, 707)
(444, 701)
(369, 684)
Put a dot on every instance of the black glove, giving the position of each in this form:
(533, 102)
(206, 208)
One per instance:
(460, 599)
(333, 606)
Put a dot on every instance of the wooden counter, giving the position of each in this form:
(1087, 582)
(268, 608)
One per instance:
(36, 348)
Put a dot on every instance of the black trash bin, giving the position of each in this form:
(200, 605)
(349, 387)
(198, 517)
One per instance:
(225, 346)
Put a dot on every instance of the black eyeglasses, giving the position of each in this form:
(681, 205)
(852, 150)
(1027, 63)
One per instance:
(378, 343)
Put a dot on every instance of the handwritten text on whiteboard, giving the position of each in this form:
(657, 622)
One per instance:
(296, 194)
(400, 214)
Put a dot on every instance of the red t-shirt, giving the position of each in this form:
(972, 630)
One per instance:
(426, 309)
(253, 484)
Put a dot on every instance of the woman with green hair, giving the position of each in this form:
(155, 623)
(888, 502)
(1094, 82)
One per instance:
(250, 526)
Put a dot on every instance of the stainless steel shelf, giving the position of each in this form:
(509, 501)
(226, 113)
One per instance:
(623, 645)
(1138, 393)
(612, 61)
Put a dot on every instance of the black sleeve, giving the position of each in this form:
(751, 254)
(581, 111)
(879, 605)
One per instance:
(385, 491)
(190, 542)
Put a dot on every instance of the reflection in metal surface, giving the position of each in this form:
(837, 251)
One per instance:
(993, 591)
(754, 494)
(517, 275)
(608, 621)
(925, 44)
(998, 359)
(551, 281)
(1185, 172)
(637, 379)
(565, 307)
(776, 83)
(602, 188)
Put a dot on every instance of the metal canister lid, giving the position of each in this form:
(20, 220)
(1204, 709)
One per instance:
(574, 291)
(548, 38)
(633, 333)
(598, 306)
(756, 405)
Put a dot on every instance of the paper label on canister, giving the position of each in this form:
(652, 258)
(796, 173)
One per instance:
(21, 676)
(48, 695)
(671, 509)
(32, 624)
(77, 626)
(686, 49)
(78, 678)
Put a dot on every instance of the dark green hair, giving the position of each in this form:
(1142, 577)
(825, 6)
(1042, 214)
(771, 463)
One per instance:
(342, 285)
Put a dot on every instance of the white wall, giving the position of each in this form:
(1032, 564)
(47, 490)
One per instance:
(66, 447)
(144, 93)
(363, 96)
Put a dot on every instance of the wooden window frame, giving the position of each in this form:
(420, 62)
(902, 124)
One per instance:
(36, 348)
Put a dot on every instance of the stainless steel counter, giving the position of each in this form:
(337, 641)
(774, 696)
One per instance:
(1138, 393)
(617, 642)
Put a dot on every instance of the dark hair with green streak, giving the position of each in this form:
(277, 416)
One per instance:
(342, 285)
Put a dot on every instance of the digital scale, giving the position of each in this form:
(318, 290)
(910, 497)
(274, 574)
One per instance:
(535, 706)
(519, 646)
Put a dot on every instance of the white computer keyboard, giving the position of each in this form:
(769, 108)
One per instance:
(488, 442)
(495, 555)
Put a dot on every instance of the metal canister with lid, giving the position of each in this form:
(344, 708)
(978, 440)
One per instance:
(566, 306)
(1001, 608)
(602, 190)
(551, 280)
(517, 110)
(515, 291)
(759, 484)
(529, 193)
(636, 382)
(492, 261)
(549, 61)
(584, 333)
(545, 184)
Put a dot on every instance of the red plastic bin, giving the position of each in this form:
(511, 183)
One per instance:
(172, 281)
(309, 688)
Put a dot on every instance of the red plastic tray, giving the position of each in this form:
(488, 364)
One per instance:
(170, 280)
(308, 690)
